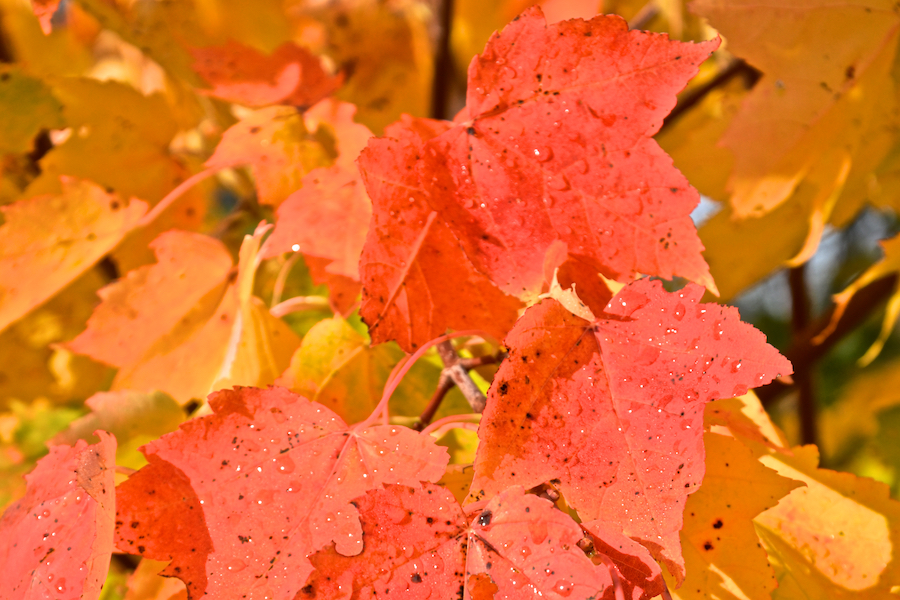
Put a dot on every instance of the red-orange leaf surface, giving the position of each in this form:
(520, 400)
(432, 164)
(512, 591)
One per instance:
(613, 409)
(239, 498)
(417, 281)
(327, 218)
(238, 73)
(419, 544)
(556, 146)
(57, 540)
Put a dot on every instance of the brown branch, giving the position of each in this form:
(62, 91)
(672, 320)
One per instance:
(803, 351)
(445, 384)
(803, 373)
(736, 68)
(442, 81)
(478, 361)
(457, 372)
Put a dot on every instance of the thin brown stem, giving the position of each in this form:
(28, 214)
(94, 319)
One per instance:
(473, 363)
(803, 373)
(446, 381)
(666, 594)
(460, 377)
(445, 384)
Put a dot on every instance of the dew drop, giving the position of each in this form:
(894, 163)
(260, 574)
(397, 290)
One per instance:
(679, 311)
(543, 154)
(284, 464)
(508, 72)
(538, 531)
(563, 588)
(236, 565)
(558, 182)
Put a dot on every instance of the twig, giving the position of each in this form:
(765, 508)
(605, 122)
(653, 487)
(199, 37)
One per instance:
(619, 591)
(445, 384)
(643, 17)
(442, 426)
(666, 594)
(547, 492)
(803, 351)
(803, 373)
(460, 377)
(443, 64)
(175, 194)
(300, 303)
(735, 68)
(400, 371)
(473, 363)
(278, 289)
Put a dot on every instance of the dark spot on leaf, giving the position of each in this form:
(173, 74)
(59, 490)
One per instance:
(416, 578)
(484, 519)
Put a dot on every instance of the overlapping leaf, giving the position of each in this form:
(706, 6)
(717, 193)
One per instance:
(816, 102)
(554, 147)
(27, 105)
(612, 410)
(278, 147)
(888, 265)
(386, 74)
(239, 498)
(290, 75)
(413, 270)
(133, 418)
(420, 544)
(58, 538)
(834, 538)
(47, 241)
(337, 368)
(723, 557)
(119, 138)
(188, 324)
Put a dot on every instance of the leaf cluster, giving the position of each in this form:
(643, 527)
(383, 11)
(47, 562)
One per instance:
(357, 299)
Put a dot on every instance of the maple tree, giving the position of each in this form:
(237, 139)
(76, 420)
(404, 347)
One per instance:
(406, 298)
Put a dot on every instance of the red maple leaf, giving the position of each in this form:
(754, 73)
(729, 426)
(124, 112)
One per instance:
(59, 537)
(238, 499)
(612, 410)
(419, 544)
(417, 281)
(327, 218)
(554, 147)
(290, 75)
